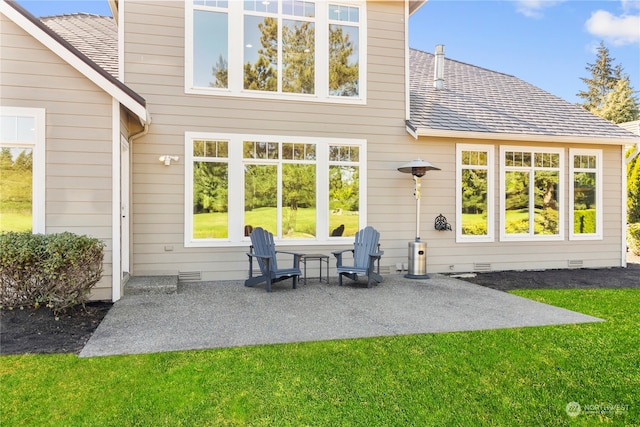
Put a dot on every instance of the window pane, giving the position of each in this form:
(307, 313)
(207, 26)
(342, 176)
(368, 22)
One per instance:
(16, 189)
(474, 202)
(210, 200)
(298, 200)
(546, 215)
(344, 198)
(260, 53)
(516, 202)
(260, 150)
(584, 202)
(210, 49)
(298, 57)
(269, 6)
(299, 8)
(344, 54)
(261, 196)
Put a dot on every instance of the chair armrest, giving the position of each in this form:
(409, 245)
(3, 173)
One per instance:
(296, 257)
(336, 253)
(254, 255)
(376, 254)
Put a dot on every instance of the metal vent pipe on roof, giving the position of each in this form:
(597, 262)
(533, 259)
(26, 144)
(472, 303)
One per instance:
(438, 74)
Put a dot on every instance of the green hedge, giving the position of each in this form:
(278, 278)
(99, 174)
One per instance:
(633, 238)
(56, 270)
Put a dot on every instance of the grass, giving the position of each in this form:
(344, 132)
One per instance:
(523, 376)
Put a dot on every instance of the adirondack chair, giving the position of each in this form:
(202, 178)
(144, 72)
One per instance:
(263, 249)
(366, 252)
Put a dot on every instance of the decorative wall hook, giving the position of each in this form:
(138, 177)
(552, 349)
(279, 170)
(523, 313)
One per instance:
(441, 223)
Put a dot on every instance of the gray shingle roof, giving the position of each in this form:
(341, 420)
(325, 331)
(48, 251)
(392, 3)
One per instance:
(479, 100)
(93, 35)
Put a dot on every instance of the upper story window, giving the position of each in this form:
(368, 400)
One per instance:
(288, 49)
(22, 196)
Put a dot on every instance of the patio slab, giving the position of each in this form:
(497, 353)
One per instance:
(226, 314)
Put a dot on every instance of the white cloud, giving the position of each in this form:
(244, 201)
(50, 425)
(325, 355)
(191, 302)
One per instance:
(534, 8)
(619, 30)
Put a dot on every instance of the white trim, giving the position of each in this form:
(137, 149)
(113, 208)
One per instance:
(623, 215)
(531, 236)
(407, 68)
(116, 256)
(421, 131)
(69, 57)
(236, 180)
(599, 190)
(38, 195)
(490, 168)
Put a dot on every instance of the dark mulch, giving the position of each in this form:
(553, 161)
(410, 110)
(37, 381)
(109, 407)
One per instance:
(37, 331)
(560, 279)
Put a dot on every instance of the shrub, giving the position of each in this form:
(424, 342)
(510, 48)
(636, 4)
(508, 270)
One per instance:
(633, 238)
(56, 270)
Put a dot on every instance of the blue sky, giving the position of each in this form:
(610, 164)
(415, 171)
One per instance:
(547, 43)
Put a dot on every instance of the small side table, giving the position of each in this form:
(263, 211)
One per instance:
(320, 257)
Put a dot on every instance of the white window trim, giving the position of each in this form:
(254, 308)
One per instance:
(599, 206)
(560, 197)
(489, 149)
(39, 156)
(236, 180)
(235, 59)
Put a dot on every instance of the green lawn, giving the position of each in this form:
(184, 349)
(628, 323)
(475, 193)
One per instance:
(523, 376)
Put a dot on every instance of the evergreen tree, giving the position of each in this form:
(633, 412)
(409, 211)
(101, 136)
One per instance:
(603, 79)
(620, 105)
(609, 93)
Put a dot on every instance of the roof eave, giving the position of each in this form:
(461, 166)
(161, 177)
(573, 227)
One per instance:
(417, 132)
(118, 90)
(414, 5)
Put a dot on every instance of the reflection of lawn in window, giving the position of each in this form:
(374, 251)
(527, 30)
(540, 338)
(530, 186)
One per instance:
(214, 225)
(474, 224)
(210, 225)
(517, 221)
(15, 215)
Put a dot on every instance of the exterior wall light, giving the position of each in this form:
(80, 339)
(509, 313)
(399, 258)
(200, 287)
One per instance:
(167, 159)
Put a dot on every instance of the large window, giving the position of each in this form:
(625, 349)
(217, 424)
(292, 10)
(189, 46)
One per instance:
(301, 189)
(474, 213)
(22, 169)
(531, 185)
(289, 48)
(585, 198)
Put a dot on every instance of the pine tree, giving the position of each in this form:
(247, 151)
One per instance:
(603, 79)
(620, 105)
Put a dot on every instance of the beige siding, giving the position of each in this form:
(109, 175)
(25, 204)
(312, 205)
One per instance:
(154, 58)
(78, 137)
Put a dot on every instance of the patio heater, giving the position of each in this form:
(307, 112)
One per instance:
(417, 249)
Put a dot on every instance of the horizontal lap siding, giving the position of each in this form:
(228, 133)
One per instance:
(157, 74)
(77, 138)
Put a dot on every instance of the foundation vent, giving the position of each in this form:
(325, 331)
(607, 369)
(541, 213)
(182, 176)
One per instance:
(482, 266)
(575, 263)
(189, 276)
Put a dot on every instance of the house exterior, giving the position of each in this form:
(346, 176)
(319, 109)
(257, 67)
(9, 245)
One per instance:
(296, 116)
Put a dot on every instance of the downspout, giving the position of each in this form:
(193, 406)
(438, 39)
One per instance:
(143, 132)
